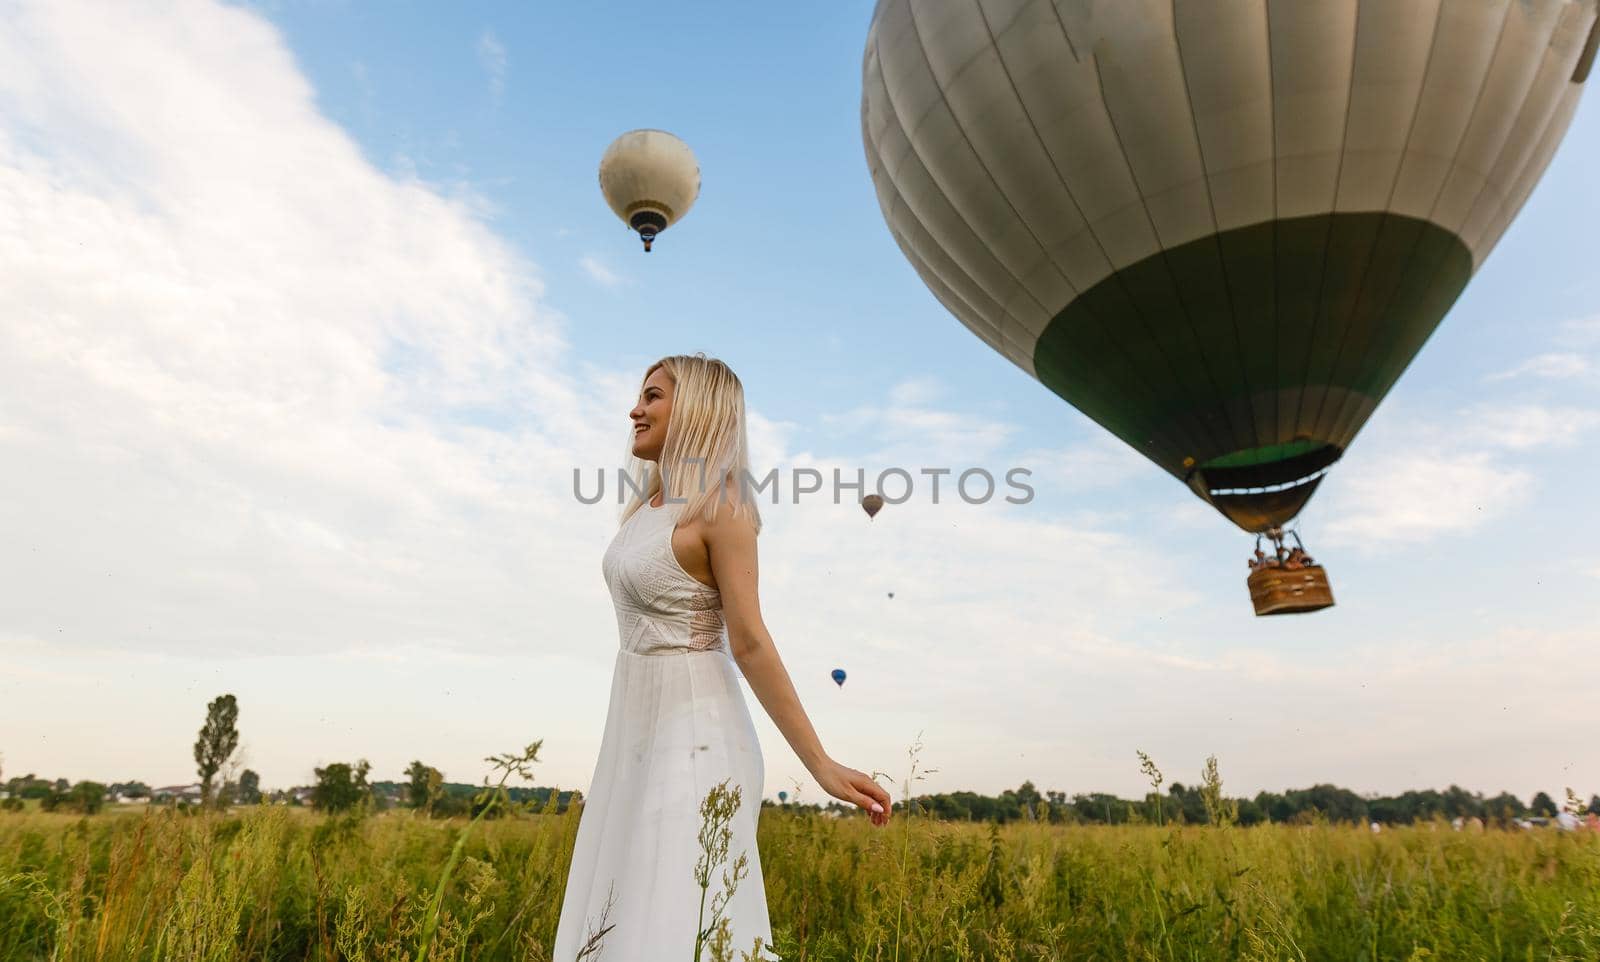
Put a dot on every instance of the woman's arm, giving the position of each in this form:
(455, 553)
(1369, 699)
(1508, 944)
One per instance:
(731, 544)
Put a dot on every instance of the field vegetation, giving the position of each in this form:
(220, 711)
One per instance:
(279, 882)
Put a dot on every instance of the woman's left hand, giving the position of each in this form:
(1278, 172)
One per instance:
(848, 785)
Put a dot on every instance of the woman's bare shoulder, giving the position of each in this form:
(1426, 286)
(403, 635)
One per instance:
(734, 516)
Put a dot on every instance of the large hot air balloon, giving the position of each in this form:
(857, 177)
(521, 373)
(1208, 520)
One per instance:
(1219, 228)
(651, 179)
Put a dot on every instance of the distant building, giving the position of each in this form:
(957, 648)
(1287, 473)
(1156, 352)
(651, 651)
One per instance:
(177, 793)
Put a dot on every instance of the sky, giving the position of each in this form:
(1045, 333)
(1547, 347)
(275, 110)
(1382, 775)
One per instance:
(309, 311)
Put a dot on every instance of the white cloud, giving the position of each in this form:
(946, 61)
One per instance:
(1550, 365)
(1412, 495)
(1582, 330)
(915, 391)
(492, 56)
(598, 270)
(247, 405)
(911, 431)
(1102, 461)
(1522, 426)
(1412, 487)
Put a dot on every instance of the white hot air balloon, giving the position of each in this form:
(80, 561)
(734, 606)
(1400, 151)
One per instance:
(651, 179)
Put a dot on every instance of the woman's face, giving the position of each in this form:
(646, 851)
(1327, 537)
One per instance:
(651, 414)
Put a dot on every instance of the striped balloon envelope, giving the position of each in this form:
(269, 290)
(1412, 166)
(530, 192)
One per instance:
(1219, 228)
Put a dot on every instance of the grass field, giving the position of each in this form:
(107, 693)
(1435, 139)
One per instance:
(279, 883)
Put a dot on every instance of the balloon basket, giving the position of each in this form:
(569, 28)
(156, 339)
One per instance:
(1276, 591)
(1288, 582)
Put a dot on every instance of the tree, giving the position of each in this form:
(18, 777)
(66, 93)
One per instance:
(1250, 813)
(1189, 804)
(87, 797)
(28, 786)
(425, 783)
(1543, 805)
(219, 736)
(134, 789)
(1503, 809)
(1458, 802)
(249, 788)
(339, 787)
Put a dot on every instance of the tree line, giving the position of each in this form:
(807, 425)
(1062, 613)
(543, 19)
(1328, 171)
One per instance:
(344, 787)
(1186, 805)
(339, 786)
(1206, 804)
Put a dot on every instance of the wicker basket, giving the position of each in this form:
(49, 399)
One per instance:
(1283, 591)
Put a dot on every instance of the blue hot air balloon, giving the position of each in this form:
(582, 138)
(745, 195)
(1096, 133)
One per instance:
(838, 677)
(783, 796)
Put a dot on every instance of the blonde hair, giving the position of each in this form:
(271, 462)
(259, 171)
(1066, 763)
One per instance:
(707, 423)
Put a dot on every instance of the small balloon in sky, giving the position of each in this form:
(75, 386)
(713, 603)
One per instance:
(838, 677)
(891, 596)
(872, 504)
(783, 796)
(650, 179)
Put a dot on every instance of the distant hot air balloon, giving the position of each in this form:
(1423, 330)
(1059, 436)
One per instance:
(651, 179)
(891, 596)
(783, 796)
(838, 677)
(872, 504)
(1221, 230)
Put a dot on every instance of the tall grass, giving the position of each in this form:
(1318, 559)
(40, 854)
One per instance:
(281, 883)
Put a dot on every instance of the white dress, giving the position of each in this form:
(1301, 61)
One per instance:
(676, 727)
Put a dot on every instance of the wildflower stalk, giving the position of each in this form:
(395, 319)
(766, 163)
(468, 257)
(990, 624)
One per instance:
(1150, 770)
(905, 847)
(1220, 811)
(489, 798)
(717, 812)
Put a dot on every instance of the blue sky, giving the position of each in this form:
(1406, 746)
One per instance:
(362, 300)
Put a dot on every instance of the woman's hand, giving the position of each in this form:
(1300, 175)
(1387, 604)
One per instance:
(857, 788)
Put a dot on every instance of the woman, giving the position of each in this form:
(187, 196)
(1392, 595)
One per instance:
(682, 574)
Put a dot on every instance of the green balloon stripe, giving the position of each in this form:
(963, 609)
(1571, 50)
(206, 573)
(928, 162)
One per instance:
(1303, 323)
